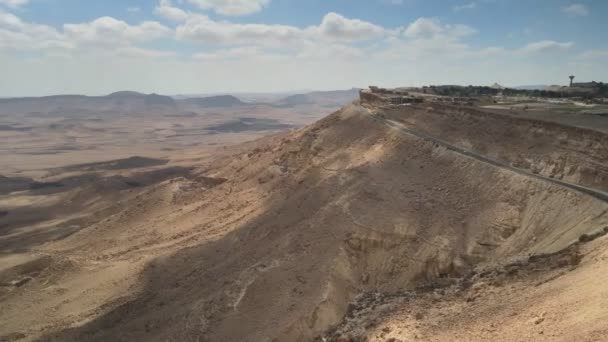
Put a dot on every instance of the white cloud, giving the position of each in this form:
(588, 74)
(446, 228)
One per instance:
(92, 37)
(546, 45)
(232, 7)
(463, 7)
(14, 3)
(432, 27)
(10, 20)
(202, 29)
(338, 27)
(166, 10)
(576, 9)
(111, 31)
(460, 30)
(333, 27)
(423, 27)
(18, 35)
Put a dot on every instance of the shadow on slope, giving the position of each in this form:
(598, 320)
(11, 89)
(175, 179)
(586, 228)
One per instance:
(352, 206)
(246, 124)
(119, 164)
(81, 199)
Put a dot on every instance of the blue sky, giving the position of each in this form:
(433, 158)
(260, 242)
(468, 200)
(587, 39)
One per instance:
(195, 46)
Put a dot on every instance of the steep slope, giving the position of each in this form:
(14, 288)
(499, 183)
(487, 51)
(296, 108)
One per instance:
(273, 243)
(567, 153)
(555, 297)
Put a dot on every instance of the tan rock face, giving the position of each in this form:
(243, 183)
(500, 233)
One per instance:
(274, 241)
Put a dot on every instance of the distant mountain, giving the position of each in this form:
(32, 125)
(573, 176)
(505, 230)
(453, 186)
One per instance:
(297, 99)
(250, 97)
(121, 102)
(220, 101)
(152, 99)
(131, 102)
(159, 100)
(125, 94)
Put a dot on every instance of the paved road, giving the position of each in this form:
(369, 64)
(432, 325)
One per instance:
(601, 195)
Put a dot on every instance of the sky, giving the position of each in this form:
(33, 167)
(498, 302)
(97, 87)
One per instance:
(214, 46)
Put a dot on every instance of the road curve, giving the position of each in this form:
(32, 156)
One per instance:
(601, 195)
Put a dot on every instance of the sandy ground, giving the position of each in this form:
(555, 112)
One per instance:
(278, 238)
(558, 297)
(40, 142)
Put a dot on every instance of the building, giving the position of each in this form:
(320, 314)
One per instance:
(592, 84)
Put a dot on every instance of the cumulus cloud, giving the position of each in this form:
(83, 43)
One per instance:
(334, 36)
(576, 9)
(16, 34)
(14, 3)
(338, 27)
(333, 27)
(202, 29)
(8, 20)
(232, 7)
(166, 10)
(99, 34)
(113, 31)
(423, 27)
(433, 27)
(546, 45)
